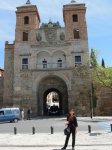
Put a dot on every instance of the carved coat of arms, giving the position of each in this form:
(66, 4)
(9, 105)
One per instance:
(51, 34)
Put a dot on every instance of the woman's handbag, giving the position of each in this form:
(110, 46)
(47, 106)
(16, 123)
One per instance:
(67, 131)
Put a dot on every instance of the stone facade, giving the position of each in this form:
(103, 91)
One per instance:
(48, 58)
(104, 101)
(1, 86)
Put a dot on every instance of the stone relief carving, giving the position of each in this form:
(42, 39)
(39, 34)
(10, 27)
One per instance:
(38, 37)
(50, 34)
(62, 36)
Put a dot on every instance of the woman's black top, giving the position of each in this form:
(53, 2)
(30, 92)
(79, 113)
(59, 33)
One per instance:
(72, 121)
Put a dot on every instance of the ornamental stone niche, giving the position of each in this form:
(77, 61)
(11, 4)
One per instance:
(50, 34)
(38, 37)
(62, 36)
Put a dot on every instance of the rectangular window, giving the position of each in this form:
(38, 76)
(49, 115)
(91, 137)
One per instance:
(76, 34)
(75, 18)
(26, 20)
(25, 36)
(25, 63)
(44, 63)
(59, 63)
(78, 60)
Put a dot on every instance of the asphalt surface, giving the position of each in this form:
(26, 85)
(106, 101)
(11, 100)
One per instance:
(44, 125)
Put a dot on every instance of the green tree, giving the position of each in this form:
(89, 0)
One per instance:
(103, 76)
(93, 59)
(103, 63)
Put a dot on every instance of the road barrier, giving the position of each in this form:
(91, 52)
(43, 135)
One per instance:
(33, 130)
(52, 130)
(15, 130)
(89, 129)
(111, 127)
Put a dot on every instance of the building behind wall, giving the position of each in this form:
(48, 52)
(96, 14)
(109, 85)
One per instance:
(47, 57)
(1, 86)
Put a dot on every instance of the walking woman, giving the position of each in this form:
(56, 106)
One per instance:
(72, 124)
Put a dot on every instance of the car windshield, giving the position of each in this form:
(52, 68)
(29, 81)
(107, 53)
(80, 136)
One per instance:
(1, 112)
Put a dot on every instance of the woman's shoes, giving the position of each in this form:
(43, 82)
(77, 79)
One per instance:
(63, 148)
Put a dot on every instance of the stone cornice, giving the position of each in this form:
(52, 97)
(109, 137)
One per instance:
(45, 44)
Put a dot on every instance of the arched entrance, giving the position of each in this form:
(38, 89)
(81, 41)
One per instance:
(52, 104)
(52, 91)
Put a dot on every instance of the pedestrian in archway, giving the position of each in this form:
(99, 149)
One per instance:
(72, 124)
(29, 114)
(22, 114)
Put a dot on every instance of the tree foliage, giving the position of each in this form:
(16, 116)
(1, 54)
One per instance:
(93, 59)
(103, 76)
(100, 74)
(103, 63)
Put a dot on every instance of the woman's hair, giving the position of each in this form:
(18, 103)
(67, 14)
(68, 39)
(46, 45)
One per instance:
(72, 110)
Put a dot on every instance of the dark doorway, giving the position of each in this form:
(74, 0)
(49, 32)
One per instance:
(52, 85)
(52, 102)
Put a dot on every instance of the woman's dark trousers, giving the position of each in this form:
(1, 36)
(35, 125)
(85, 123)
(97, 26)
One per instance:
(73, 131)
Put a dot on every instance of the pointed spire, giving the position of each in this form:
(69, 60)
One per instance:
(28, 2)
(73, 1)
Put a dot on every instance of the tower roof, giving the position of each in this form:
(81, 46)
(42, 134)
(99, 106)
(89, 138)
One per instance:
(73, 2)
(28, 2)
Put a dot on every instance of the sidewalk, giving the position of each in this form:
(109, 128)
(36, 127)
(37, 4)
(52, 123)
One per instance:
(95, 119)
(84, 141)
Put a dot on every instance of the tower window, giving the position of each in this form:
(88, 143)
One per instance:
(76, 34)
(25, 36)
(44, 63)
(59, 63)
(77, 60)
(75, 18)
(26, 20)
(25, 63)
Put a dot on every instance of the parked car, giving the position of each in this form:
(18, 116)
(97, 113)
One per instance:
(54, 110)
(9, 114)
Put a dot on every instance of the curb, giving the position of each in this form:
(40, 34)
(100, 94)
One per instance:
(77, 145)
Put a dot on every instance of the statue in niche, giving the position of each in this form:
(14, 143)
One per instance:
(38, 37)
(62, 36)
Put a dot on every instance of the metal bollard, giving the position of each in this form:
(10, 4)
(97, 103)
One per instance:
(111, 127)
(33, 130)
(52, 130)
(15, 130)
(89, 129)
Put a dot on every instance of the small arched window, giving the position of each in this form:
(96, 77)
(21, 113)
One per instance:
(59, 63)
(44, 63)
(26, 20)
(76, 34)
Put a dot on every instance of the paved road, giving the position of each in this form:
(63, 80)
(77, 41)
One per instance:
(43, 125)
(57, 148)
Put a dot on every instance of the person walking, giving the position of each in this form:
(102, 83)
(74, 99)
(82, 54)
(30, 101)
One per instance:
(22, 114)
(72, 124)
(28, 114)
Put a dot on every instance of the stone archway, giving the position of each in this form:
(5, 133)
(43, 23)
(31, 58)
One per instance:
(48, 84)
(58, 99)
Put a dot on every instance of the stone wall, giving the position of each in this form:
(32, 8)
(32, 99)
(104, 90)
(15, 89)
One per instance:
(1, 90)
(8, 77)
(104, 101)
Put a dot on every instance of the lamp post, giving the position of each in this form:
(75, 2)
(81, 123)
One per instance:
(91, 95)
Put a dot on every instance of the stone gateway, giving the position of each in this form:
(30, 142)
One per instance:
(48, 64)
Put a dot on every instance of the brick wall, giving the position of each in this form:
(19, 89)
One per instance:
(1, 90)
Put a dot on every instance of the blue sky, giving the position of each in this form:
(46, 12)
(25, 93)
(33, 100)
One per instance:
(98, 16)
